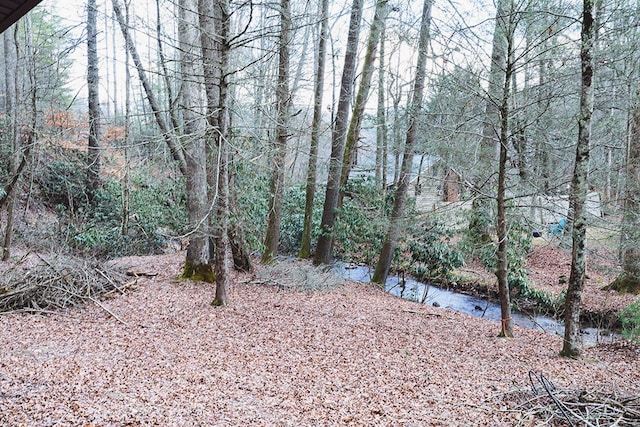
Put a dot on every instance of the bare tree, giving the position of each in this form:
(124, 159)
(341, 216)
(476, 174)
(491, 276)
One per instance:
(629, 279)
(167, 132)
(501, 220)
(323, 253)
(93, 86)
(214, 37)
(381, 121)
(197, 263)
(305, 245)
(283, 99)
(579, 188)
(390, 242)
(355, 125)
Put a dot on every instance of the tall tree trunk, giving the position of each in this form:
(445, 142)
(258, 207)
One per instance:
(11, 99)
(323, 253)
(197, 263)
(169, 136)
(305, 245)
(579, 188)
(501, 229)
(214, 23)
(283, 96)
(381, 121)
(93, 87)
(389, 245)
(629, 279)
(489, 143)
(353, 134)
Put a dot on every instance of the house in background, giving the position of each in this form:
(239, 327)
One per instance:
(12, 10)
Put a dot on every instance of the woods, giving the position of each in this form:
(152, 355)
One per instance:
(457, 145)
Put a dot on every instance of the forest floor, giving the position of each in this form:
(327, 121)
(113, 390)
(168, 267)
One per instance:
(349, 355)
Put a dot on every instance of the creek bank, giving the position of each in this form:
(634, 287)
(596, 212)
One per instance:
(605, 318)
(471, 300)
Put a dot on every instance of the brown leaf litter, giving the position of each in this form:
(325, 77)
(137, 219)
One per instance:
(346, 356)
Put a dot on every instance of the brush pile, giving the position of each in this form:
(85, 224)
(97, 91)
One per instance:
(38, 283)
(545, 405)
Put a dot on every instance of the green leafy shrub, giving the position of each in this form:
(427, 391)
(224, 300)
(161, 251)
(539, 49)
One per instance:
(433, 255)
(361, 223)
(630, 320)
(63, 182)
(156, 212)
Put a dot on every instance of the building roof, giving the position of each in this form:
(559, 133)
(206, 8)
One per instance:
(12, 10)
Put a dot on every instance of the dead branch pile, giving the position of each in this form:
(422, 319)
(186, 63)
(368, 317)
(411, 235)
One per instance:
(57, 282)
(298, 276)
(545, 405)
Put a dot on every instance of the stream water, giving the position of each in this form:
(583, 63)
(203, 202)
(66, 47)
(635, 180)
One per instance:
(411, 289)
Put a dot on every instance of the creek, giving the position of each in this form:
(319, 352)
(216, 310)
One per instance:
(414, 290)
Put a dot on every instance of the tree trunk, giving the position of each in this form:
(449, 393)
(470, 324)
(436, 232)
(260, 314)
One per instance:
(501, 229)
(381, 121)
(93, 87)
(283, 96)
(353, 134)
(629, 279)
(323, 253)
(167, 133)
(197, 263)
(389, 245)
(305, 245)
(489, 143)
(11, 98)
(579, 188)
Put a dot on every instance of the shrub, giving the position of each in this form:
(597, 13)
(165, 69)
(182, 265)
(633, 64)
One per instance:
(630, 319)
(155, 213)
(62, 182)
(433, 255)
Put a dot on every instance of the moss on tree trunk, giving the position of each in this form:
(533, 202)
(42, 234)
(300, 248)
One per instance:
(199, 273)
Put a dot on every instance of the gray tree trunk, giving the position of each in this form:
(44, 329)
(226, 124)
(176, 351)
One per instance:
(214, 36)
(93, 87)
(355, 125)
(197, 263)
(283, 96)
(323, 253)
(381, 121)
(629, 279)
(501, 229)
(389, 245)
(11, 110)
(579, 188)
(305, 245)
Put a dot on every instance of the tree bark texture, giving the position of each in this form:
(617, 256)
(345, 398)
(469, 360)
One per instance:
(197, 263)
(355, 125)
(579, 188)
(390, 242)
(93, 87)
(305, 244)
(11, 99)
(323, 253)
(631, 221)
(381, 121)
(490, 135)
(501, 229)
(283, 96)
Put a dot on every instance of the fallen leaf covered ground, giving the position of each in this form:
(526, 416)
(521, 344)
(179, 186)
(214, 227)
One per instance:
(349, 356)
